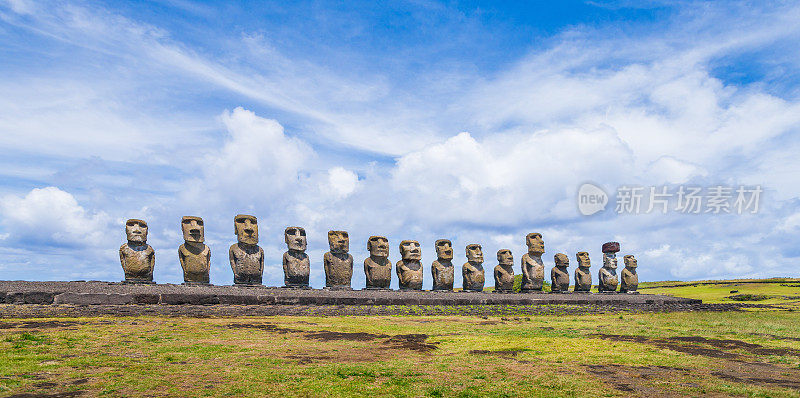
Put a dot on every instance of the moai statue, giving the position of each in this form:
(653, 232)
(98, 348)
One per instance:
(504, 272)
(338, 262)
(137, 257)
(532, 264)
(442, 269)
(630, 279)
(472, 271)
(246, 257)
(377, 266)
(194, 255)
(607, 279)
(296, 265)
(559, 276)
(583, 276)
(409, 268)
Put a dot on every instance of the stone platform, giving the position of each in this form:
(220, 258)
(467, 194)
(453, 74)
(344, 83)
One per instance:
(110, 293)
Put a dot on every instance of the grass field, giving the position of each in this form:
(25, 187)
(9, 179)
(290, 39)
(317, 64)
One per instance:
(743, 353)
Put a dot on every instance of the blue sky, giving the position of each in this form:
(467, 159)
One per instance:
(473, 121)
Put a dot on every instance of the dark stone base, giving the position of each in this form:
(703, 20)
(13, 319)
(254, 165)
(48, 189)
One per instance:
(196, 284)
(138, 282)
(561, 292)
(377, 289)
(337, 288)
(302, 287)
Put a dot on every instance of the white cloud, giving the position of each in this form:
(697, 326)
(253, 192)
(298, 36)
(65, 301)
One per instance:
(342, 182)
(51, 217)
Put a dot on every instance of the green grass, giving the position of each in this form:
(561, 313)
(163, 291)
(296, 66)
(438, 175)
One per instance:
(742, 353)
(783, 292)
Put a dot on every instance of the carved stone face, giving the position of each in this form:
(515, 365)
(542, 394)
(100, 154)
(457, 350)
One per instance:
(610, 260)
(474, 253)
(295, 238)
(535, 243)
(504, 257)
(583, 259)
(246, 229)
(193, 230)
(339, 241)
(561, 260)
(409, 250)
(136, 230)
(378, 246)
(444, 249)
(630, 261)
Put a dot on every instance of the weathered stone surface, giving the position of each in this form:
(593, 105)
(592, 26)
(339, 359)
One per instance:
(607, 278)
(532, 264)
(630, 279)
(338, 262)
(583, 275)
(246, 257)
(146, 298)
(38, 297)
(559, 275)
(137, 257)
(504, 272)
(472, 272)
(189, 298)
(377, 267)
(93, 299)
(193, 254)
(442, 269)
(409, 268)
(296, 264)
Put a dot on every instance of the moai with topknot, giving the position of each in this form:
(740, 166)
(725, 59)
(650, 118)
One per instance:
(338, 262)
(296, 264)
(377, 266)
(194, 255)
(442, 269)
(559, 275)
(583, 276)
(629, 278)
(409, 268)
(137, 257)
(607, 278)
(504, 272)
(532, 264)
(472, 271)
(246, 256)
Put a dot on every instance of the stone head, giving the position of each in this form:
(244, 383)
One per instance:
(535, 243)
(295, 238)
(409, 250)
(444, 249)
(504, 257)
(630, 261)
(474, 253)
(610, 260)
(246, 229)
(136, 230)
(193, 230)
(583, 259)
(561, 260)
(339, 241)
(378, 246)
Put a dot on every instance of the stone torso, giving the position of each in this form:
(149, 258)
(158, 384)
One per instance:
(607, 280)
(137, 262)
(559, 279)
(195, 261)
(630, 280)
(473, 277)
(583, 279)
(409, 274)
(443, 274)
(247, 263)
(379, 272)
(503, 278)
(338, 269)
(532, 272)
(296, 268)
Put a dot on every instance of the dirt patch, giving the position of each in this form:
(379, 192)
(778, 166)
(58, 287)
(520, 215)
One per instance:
(672, 345)
(68, 394)
(39, 324)
(327, 335)
(412, 342)
(750, 379)
(503, 353)
(752, 348)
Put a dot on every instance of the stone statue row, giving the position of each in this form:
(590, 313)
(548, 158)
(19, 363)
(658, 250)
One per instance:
(247, 262)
